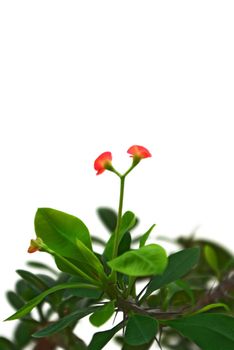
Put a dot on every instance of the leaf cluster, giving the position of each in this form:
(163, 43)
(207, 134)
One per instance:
(180, 301)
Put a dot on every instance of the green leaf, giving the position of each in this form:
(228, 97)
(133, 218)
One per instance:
(64, 322)
(179, 264)
(102, 314)
(145, 236)
(145, 261)
(6, 344)
(211, 258)
(15, 301)
(23, 332)
(33, 279)
(41, 266)
(209, 331)
(25, 291)
(140, 329)
(100, 339)
(93, 265)
(127, 222)
(211, 307)
(125, 244)
(82, 292)
(60, 231)
(108, 217)
(35, 301)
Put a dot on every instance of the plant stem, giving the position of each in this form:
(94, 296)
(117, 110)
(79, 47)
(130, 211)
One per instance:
(117, 230)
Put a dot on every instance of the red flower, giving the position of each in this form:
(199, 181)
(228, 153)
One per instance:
(103, 162)
(139, 152)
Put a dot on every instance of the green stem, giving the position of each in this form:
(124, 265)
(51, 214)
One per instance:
(117, 230)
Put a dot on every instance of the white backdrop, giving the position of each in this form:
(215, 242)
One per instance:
(82, 77)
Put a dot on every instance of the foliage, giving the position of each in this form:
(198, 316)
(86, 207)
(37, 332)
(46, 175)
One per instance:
(186, 301)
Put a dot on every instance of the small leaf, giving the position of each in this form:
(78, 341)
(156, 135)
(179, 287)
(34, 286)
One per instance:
(60, 231)
(140, 329)
(209, 331)
(211, 307)
(100, 339)
(108, 217)
(145, 261)
(211, 258)
(15, 301)
(35, 301)
(127, 222)
(64, 322)
(102, 314)
(33, 279)
(23, 332)
(39, 265)
(179, 264)
(145, 236)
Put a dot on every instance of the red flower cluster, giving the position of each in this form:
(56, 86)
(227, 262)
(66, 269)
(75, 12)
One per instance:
(103, 162)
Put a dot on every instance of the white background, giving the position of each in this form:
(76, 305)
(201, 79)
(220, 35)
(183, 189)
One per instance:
(81, 77)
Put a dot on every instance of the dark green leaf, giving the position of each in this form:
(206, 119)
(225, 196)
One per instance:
(6, 344)
(179, 264)
(25, 291)
(140, 329)
(41, 266)
(145, 236)
(100, 339)
(64, 322)
(209, 331)
(102, 314)
(145, 261)
(15, 301)
(35, 301)
(33, 279)
(125, 244)
(60, 231)
(23, 332)
(108, 218)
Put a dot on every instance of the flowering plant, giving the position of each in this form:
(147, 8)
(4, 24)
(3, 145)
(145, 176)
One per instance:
(173, 303)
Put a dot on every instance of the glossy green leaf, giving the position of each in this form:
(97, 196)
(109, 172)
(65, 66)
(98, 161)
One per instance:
(92, 264)
(211, 258)
(35, 301)
(145, 261)
(140, 329)
(145, 236)
(102, 314)
(64, 322)
(179, 264)
(100, 339)
(127, 222)
(211, 307)
(209, 331)
(108, 217)
(60, 231)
